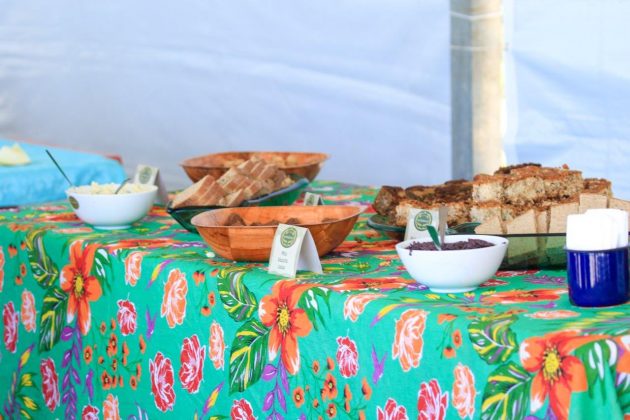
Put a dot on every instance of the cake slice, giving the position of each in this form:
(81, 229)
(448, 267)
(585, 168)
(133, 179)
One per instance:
(592, 201)
(387, 199)
(425, 194)
(492, 226)
(522, 224)
(558, 215)
(561, 182)
(522, 249)
(525, 187)
(482, 212)
(598, 186)
(487, 188)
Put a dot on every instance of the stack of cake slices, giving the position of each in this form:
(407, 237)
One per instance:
(250, 179)
(518, 199)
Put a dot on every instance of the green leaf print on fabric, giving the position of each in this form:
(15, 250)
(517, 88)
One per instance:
(248, 355)
(53, 317)
(492, 338)
(506, 396)
(239, 302)
(44, 270)
(599, 359)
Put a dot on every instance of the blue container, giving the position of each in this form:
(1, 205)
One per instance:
(598, 278)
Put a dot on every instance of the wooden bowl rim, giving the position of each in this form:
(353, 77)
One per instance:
(323, 157)
(356, 213)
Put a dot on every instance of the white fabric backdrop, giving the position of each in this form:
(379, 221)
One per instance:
(569, 86)
(364, 80)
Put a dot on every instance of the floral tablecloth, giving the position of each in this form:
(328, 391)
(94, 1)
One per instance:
(148, 323)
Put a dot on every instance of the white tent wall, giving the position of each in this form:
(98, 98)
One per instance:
(568, 86)
(366, 81)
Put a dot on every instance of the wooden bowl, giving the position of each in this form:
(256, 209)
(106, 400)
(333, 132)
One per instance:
(302, 164)
(253, 243)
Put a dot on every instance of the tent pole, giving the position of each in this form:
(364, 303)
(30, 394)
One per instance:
(477, 42)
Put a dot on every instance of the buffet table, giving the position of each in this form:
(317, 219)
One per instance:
(148, 321)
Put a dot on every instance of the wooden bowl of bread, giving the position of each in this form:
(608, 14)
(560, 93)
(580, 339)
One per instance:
(302, 164)
(254, 182)
(246, 233)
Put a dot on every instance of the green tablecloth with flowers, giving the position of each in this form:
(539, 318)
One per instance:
(148, 323)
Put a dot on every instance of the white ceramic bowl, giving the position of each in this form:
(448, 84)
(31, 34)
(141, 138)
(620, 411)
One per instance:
(454, 271)
(109, 211)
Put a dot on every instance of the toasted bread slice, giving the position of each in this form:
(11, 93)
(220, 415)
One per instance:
(233, 199)
(190, 196)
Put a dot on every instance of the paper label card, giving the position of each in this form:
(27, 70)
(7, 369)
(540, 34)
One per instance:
(150, 175)
(311, 199)
(293, 249)
(417, 222)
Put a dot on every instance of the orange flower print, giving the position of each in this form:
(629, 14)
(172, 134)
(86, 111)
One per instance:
(81, 287)
(355, 304)
(449, 352)
(288, 322)
(331, 411)
(457, 338)
(408, 343)
(110, 408)
(133, 382)
(558, 374)
(366, 389)
(133, 267)
(29, 315)
(23, 270)
(112, 345)
(464, 392)
(217, 346)
(330, 363)
(199, 277)
(330, 388)
(142, 345)
(522, 296)
(174, 300)
(106, 380)
(12, 250)
(88, 354)
(315, 367)
(298, 396)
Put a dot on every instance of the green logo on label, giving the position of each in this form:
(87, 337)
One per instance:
(73, 202)
(144, 176)
(422, 220)
(288, 237)
(311, 200)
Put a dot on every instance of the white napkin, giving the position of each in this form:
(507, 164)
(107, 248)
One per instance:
(13, 155)
(597, 230)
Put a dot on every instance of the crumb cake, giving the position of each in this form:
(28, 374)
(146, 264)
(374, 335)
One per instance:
(527, 198)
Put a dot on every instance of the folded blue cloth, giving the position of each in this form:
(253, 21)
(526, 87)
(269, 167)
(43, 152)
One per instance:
(40, 181)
